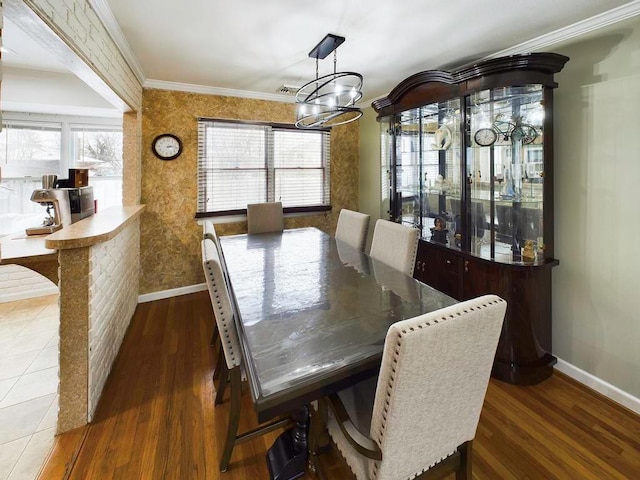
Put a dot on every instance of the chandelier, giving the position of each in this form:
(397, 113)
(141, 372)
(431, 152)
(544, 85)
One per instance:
(329, 100)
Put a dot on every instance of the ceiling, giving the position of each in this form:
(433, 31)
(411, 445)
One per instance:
(251, 48)
(257, 46)
(20, 51)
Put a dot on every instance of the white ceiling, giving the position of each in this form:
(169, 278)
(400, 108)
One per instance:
(256, 46)
(20, 51)
(33, 81)
(251, 47)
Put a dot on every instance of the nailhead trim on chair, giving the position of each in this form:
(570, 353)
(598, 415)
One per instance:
(364, 237)
(223, 318)
(380, 434)
(220, 313)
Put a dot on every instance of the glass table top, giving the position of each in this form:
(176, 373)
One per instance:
(309, 305)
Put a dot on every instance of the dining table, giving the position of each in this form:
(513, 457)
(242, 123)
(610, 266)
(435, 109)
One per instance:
(312, 314)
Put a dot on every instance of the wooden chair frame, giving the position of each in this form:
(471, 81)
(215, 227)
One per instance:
(232, 437)
(460, 462)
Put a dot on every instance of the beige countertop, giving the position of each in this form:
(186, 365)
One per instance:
(16, 247)
(95, 229)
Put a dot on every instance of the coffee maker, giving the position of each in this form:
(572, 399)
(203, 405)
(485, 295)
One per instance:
(58, 211)
(64, 205)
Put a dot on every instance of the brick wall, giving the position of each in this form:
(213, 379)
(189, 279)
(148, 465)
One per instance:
(78, 24)
(113, 295)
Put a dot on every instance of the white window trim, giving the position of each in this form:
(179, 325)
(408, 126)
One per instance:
(66, 122)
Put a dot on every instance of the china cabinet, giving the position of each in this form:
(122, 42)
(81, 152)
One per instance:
(467, 158)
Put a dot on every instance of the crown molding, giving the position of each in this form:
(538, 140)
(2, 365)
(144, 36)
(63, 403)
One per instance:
(226, 92)
(577, 29)
(108, 19)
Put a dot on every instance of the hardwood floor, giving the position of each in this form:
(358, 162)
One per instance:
(156, 419)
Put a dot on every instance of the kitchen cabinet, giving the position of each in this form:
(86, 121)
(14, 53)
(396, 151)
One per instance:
(467, 158)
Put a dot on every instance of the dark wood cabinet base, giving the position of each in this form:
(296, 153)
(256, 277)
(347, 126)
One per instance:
(523, 356)
(524, 374)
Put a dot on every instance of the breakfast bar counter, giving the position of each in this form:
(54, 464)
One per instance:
(30, 252)
(99, 259)
(95, 229)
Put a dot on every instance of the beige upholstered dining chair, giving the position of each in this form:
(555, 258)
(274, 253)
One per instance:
(395, 245)
(231, 367)
(422, 413)
(353, 228)
(265, 217)
(209, 231)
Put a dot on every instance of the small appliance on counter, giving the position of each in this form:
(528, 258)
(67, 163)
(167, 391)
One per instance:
(81, 203)
(58, 213)
(64, 205)
(78, 177)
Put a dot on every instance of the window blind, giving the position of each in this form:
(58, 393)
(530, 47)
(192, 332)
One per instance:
(240, 163)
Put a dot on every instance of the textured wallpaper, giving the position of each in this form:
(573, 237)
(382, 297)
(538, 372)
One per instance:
(170, 236)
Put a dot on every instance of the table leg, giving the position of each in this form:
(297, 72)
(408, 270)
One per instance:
(287, 457)
(319, 439)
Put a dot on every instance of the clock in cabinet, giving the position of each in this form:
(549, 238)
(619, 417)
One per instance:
(467, 158)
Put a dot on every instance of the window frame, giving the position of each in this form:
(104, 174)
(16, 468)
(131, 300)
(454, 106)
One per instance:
(269, 168)
(31, 181)
(66, 123)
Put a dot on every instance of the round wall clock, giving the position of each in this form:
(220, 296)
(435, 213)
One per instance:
(166, 146)
(485, 137)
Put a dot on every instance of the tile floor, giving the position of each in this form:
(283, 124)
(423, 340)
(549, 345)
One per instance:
(28, 385)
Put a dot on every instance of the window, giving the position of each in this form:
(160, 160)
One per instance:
(30, 149)
(98, 148)
(32, 145)
(241, 163)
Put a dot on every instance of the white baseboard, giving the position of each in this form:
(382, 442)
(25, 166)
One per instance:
(614, 393)
(174, 292)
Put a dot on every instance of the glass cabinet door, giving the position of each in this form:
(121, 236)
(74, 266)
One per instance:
(386, 158)
(440, 129)
(408, 168)
(505, 174)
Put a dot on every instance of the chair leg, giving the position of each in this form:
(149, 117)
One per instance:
(219, 365)
(214, 336)
(234, 418)
(466, 453)
(222, 383)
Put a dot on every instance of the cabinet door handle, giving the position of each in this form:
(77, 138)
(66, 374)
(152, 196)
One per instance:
(448, 262)
(466, 265)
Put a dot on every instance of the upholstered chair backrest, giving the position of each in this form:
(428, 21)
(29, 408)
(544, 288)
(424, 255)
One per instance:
(395, 244)
(265, 217)
(221, 303)
(353, 228)
(209, 231)
(432, 383)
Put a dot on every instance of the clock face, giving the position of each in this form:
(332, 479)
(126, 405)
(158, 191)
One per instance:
(166, 146)
(485, 137)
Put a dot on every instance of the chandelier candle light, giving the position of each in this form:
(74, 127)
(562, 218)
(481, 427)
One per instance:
(329, 100)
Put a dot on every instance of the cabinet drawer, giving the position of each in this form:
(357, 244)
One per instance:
(439, 268)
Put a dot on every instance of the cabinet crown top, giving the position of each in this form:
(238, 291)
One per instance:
(438, 85)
